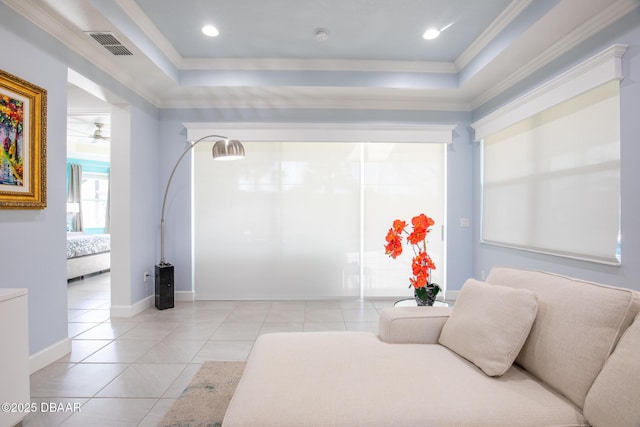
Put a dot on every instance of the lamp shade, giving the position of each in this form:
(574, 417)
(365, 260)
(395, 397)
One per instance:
(227, 149)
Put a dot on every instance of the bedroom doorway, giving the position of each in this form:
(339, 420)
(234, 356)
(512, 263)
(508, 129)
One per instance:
(88, 203)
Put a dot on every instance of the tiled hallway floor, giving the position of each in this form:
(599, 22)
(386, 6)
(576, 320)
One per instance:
(128, 371)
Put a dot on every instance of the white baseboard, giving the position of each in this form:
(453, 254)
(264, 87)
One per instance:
(185, 296)
(132, 310)
(49, 355)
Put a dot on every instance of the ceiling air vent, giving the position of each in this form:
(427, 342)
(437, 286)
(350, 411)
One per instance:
(110, 43)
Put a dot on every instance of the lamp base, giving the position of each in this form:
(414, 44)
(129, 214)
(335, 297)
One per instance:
(164, 286)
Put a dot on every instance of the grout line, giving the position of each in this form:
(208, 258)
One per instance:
(150, 317)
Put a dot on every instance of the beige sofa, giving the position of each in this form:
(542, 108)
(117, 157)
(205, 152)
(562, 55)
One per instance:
(530, 349)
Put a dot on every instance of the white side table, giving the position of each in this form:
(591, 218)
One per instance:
(411, 302)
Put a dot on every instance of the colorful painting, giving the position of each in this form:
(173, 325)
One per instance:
(22, 144)
(11, 126)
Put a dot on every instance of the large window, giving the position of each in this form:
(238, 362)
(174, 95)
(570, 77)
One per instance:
(551, 182)
(400, 182)
(95, 192)
(308, 219)
(551, 164)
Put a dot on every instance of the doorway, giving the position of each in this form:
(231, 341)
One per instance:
(88, 202)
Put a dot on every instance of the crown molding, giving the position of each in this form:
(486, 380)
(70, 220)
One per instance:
(288, 64)
(42, 15)
(316, 99)
(597, 23)
(601, 68)
(131, 8)
(88, 111)
(324, 132)
(514, 9)
(45, 19)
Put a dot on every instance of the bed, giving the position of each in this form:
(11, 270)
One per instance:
(87, 254)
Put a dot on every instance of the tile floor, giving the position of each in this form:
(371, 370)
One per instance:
(128, 371)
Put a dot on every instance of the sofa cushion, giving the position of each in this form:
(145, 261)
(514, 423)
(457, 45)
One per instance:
(354, 379)
(489, 325)
(614, 398)
(577, 326)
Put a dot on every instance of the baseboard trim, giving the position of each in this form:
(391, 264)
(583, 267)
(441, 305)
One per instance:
(132, 310)
(49, 355)
(185, 296)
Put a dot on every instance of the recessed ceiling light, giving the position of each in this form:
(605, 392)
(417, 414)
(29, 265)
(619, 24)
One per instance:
(434, 33)
(431, 34)
(210, 30)
(321, 34)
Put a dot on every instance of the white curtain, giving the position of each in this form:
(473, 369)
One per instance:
(107, 208)
(308, 220)
(74, 194)
(551, 183)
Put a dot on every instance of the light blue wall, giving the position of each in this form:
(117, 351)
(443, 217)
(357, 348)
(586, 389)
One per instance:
(145, 215)
(178, 211)
(626, 31)
(88, 165)
(459, 206)
(37, 259)
(178, 252)
(33, 241)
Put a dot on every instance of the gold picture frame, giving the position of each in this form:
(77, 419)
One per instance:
(23, 133)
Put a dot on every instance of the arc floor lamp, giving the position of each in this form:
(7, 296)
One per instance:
(223, 149)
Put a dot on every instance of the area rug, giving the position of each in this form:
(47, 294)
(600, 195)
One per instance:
(204, 402)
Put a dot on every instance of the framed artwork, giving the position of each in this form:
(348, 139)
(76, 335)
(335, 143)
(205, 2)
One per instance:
(23, 131)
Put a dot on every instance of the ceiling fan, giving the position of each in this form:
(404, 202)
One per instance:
(97, 133)
(95, 136)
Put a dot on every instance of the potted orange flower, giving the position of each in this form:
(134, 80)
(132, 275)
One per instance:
(425, 290)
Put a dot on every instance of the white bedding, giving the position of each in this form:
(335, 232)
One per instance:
(79, 244)
(87, 254)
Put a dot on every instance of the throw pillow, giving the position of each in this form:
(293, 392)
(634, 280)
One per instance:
(614, 395)
(489, 325)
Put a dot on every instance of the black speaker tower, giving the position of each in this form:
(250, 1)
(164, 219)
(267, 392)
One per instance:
(164, 286)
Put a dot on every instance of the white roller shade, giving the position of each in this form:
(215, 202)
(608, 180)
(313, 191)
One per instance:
(281, 223)
(401, 181)
(551, 182)
(297, 220)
